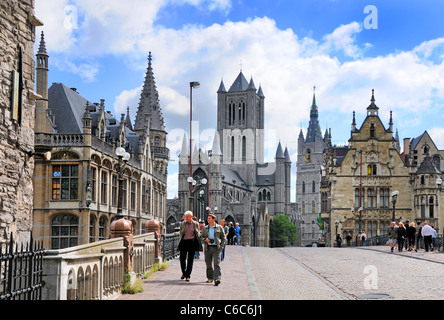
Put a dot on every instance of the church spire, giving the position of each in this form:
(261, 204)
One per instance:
(314, 96)
(314, 129)
(372, 109)
(42, 46)
(149, 103)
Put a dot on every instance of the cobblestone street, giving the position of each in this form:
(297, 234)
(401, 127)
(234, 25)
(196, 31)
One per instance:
(346, 273)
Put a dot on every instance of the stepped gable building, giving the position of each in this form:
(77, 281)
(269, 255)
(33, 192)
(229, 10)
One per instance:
(239, 187)
(17, 111)
(357, 187)
(77, 182)
(308, 178)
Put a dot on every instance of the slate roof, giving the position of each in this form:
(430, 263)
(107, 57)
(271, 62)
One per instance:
(68, 108)
(427, 166)
(240, 84)
(232, 177)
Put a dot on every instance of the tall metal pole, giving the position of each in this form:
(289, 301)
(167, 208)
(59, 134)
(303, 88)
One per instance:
(191, 121)
(193, 84)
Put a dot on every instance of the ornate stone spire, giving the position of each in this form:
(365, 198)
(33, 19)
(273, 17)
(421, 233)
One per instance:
(149, 103)
(42, 46)
(314, 130)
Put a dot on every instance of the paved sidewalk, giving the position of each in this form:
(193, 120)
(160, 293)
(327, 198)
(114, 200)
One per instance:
(167, 285)
(299, 273)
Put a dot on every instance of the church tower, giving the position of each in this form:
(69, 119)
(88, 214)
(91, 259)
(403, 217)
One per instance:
(240, 124)
(308, 176)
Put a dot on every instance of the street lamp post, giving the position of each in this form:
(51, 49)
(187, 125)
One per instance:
(196, 186)
(359, 216)
(193, 84)
(123, 157)
(394, 198)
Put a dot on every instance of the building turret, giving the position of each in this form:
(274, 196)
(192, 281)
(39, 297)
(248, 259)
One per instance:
(42, 125)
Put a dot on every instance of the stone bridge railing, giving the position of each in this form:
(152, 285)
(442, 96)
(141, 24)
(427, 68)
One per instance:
(95, 271)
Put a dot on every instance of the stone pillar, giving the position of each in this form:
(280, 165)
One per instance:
(154, 226)
(124, 228)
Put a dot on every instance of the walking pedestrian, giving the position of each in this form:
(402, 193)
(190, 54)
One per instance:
(338, 240)
(231, 233)
(401, 234)
(190, 242)
(411, 234)
(197, 253)
(363, 238)
(419, 238)
(406, 226)
(348, 238)
(391, 231)
(237, 230)
(427, 233)
(223, 223)
(214, 241)
(434, 238)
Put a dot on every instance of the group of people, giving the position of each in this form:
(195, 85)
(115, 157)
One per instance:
(361, 236)
(210, 238)
(409, 236)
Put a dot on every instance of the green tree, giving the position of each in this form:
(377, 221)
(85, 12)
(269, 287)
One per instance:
(282, 230)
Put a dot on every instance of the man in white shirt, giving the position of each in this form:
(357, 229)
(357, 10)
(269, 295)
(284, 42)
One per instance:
(427, 233)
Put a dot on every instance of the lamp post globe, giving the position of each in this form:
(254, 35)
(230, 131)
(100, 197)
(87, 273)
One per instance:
(120, 152)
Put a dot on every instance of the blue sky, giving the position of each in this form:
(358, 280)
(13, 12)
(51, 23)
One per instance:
(101, 48)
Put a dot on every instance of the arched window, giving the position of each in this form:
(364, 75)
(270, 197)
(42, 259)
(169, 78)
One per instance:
(371, 198)
(232, 148)
(372, 130)
(102, 226)
(313, 207)
(357, 198)
(384, 197)
(431, 207)
(241, 112)
(324, 202)
(64, 231)
(303, 186)
(157, 141)
(92, 229)
(244, 148)
(437, 162)
(313, 187)
(371, 170)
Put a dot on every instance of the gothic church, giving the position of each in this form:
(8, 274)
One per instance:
(238, 185)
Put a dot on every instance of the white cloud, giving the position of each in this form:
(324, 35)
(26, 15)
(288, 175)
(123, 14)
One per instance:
(173, 102)
(127, 98)
(342, 38)
(172, 183)
(58, 24)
